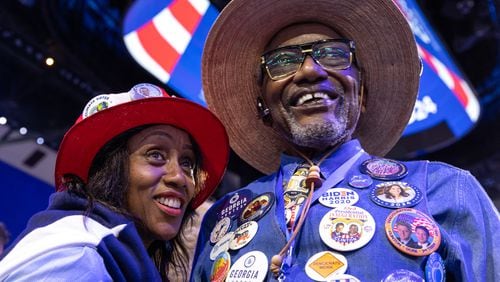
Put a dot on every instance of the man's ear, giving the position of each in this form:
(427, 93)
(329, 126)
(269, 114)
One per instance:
(264, 112)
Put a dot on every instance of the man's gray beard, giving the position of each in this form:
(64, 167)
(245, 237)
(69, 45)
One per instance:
(320, 135)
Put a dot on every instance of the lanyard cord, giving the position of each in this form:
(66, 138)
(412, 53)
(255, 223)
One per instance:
(313, 181)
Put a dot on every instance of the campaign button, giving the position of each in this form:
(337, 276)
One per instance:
(243, 234)
(232, 207)
(360, 181)
(222, 245)
(403, 275)
(220, 268)
(252, 266)
(434, 268)
(293, 198)
(384, 169)
(291, 214)
(104, 101)
(395, 195)
(338, 197)
(343, 278)
(145, 90)
(325, 265)
(257, 208)
(347, 228)
(412, 232)
(220, 229)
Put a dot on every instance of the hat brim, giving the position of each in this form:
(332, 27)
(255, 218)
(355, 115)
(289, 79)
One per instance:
(83, 141)
(385, 49)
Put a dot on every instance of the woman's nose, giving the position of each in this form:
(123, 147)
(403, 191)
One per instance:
(175, 174)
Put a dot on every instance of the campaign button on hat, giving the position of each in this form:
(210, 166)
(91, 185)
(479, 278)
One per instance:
(220, 268)
(403, 275)
(252, 266)
(384, 169)
(145, 90)
(395, 195)
(347, 228)
(325, 265)
(434, 268)
(343, 278)
(104, 101)
(220, 229)
(222, 245)
(360, 181)
(338, 197)
(412, 232)
(257, 208)
(243, 234)
(232, 207)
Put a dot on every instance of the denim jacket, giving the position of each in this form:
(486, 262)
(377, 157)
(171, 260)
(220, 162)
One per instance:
(467, 219)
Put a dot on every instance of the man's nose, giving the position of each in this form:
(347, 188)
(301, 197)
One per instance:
(310, 71)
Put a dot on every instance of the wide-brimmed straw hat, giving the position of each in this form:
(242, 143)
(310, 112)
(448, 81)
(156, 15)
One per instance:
(385, 49)
(107, 116)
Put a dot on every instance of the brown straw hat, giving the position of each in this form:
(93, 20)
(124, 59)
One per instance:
(385, 50)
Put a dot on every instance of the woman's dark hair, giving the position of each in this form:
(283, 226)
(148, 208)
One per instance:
(108, 186)
(388, 195)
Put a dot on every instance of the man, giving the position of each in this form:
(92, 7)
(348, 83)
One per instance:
(422, 236)
(338, 231)
(404, 232)
(333, 84)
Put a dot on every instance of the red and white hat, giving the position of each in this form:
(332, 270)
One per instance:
(107, 116)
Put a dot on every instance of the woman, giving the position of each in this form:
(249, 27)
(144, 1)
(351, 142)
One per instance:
(395, 192)
(129, 175)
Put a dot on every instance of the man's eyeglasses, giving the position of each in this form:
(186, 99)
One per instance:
(331, 54)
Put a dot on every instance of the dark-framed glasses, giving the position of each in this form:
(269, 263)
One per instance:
(331, 54)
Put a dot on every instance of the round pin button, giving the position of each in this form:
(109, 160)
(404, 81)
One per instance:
(252, 266)
(104, 101)
(395, 195)
(338, 197)
(145, 90)
(412, 232)
(243, 235)
(434, 268)
(257, 208)
(220, 229)
(402, 275)
(360, 181)
(232, 207)
(347, 228)
(384, 169)
(220, 268)
(222, 245)
(324, 265)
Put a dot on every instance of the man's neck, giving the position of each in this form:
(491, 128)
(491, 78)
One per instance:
(311, 153)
